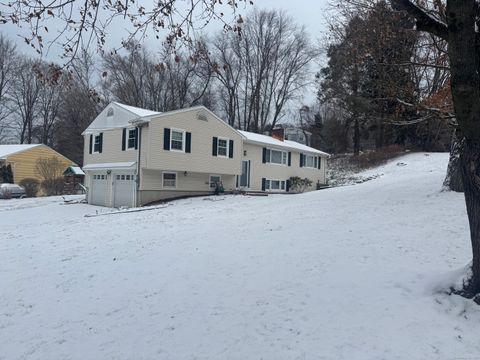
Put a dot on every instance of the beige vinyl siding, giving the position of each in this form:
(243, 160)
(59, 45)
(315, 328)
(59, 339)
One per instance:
(112, 149)
(152, 180)
(260, 170)
(24, 163)
(200, 159)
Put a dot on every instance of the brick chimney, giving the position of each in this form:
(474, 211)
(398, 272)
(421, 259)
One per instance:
(278, 133)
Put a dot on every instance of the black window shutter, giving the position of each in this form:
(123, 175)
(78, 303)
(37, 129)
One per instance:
(136, 138)
(166, 139)
(248, 173)
(214, 146)
(289, 158)
(124, 138)
(264, 155)
(188, 142)
(319, 162)
(301, 160)
(288, 186)
(230, 149)
(91, 144)
(263, 183)
(101, 143)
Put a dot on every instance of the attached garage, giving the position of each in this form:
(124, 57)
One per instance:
(111, 184)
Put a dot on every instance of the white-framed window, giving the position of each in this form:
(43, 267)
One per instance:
(309, 161)
(177, 140)
(169, 180)
(132, 138)
(276, 157)
(275, 185)
(97, 143)
(110, 112)
(222, 147)
(214, 180)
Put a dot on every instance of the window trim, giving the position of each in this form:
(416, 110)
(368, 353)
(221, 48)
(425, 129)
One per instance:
(127, 145)
(227, 147)
(210, 180)
(184, 136)
(284, 155)
(171, 173)
(94, 142)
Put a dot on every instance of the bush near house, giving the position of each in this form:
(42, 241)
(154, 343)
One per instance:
(51, 170)
(31, 186)
(298, 184)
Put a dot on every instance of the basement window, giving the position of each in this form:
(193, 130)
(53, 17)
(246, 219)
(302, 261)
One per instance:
(169, 180)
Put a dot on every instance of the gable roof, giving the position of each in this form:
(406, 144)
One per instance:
(136, 110)
(268, 140)
(125, 116)
(8, 150)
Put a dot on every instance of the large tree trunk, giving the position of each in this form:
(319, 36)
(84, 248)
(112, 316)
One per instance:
(454, 178)
(465, 84)
(470, 160)
(356, 135)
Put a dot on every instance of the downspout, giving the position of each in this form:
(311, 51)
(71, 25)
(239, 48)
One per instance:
(137, 192)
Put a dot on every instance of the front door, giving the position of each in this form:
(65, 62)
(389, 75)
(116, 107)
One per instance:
(245, 177)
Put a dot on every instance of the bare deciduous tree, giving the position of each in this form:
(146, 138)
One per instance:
(25, 98)
(84, 23)
(8, 63)
(138, 79)
(263, 70)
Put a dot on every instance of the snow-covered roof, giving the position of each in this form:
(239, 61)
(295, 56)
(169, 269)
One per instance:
(7, 150)
(117, 165)
(268, 140)
(75, 170)
(137, 111)
(117, 115)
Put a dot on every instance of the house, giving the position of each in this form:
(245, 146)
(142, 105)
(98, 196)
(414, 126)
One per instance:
(23, 159)
(134, 156)
(270, 161)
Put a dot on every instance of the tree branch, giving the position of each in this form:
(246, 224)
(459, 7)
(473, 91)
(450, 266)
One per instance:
(424, 20)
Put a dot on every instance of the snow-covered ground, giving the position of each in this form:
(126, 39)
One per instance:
(345, 273)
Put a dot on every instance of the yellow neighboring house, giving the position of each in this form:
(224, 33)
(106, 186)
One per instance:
(23, 159)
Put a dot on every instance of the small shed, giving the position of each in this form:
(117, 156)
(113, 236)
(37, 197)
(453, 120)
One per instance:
(74, 178)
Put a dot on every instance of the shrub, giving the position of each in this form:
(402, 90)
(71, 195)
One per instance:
(31, 186)
(298, 184)
(53, 186)
(51, 171)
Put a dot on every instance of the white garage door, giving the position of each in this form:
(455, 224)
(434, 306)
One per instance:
(123, 189)
(99, 189)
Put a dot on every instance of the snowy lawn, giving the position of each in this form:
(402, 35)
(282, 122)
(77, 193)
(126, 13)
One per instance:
(344, 273)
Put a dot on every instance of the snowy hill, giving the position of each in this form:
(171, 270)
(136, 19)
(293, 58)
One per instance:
(344, 273)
